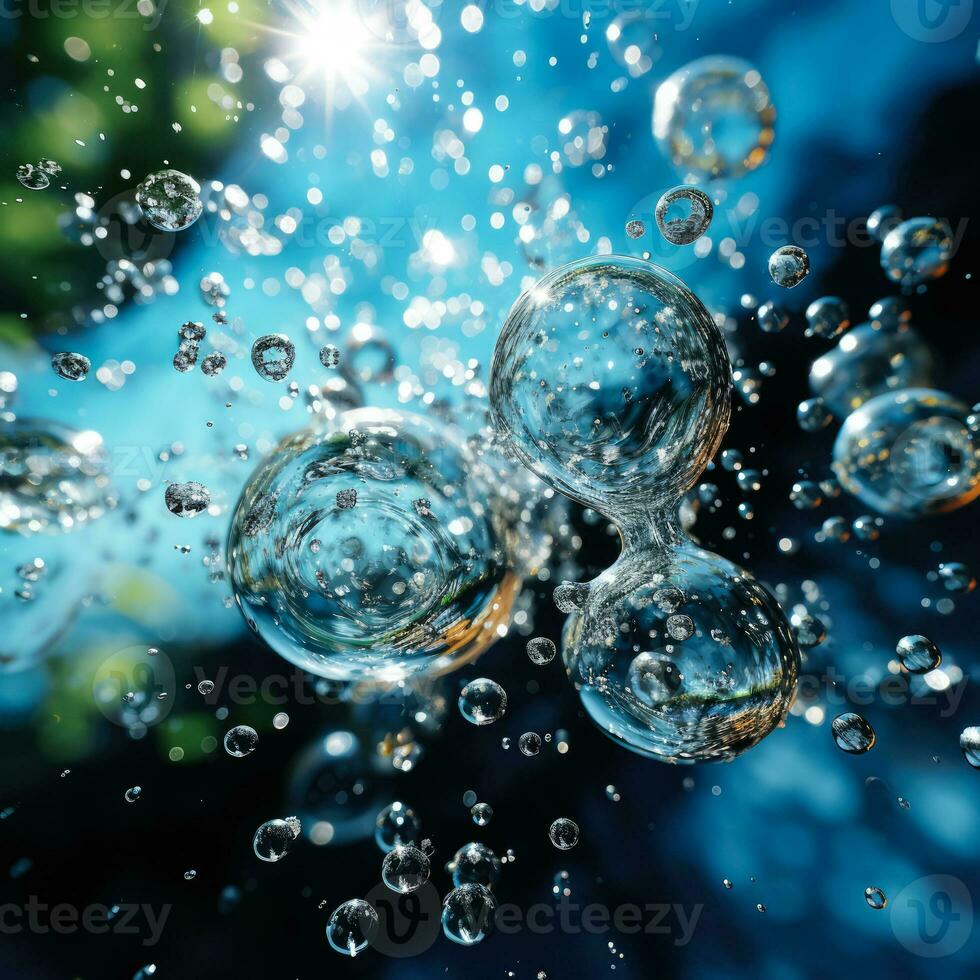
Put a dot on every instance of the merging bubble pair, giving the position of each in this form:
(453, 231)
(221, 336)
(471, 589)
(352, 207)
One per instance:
(613, 383)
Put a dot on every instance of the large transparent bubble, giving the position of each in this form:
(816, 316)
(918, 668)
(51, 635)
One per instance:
(681, 655)
(369, 552)
(870, 360)
(713, 118)
(612, 382)
(910, 452)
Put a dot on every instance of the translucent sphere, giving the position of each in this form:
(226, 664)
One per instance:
(52, 479)
(681, 655)
(396, 824)
(867, 361)
(612, 382)
(912, 452)
(240, 741)
(683, 214)
(369, 551)
(916, 251)
(789, 265)
(352, 927)
(482, 702)
(475, 864)
(170, 200)
(405, 868)
(714, 118)
(468, 914)
(272, 840)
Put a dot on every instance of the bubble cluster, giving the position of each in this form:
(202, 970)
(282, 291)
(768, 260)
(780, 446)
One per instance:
(339, 571)
(613, 384)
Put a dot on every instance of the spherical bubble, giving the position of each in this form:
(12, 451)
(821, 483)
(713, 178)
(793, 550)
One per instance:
(31, 177)
(789, 265)
(187, 499)
(405, 868)
(916, 251)
(529, 743)
(482, 702)
(468, 913)
(852, 733)
(918, 654)
(335, 790)
(970, 745)
(541, 650)
(54, 478)
(869, 361)
(708, 691)
(812, 415)
(875, 897)
(633, 43)
(71, 366)
(170, 200)
(352, 927)
(273, 356)
(957, 577)
(396, 824)
(612, 382)
(882, 220)
(683, 214)
(564, 833)
(714, 118)
(827, 316)
(475, 864)
(911, 452)
(273, 839)
(370, 584)
(482, 814)
(240, 741)
(771, 318)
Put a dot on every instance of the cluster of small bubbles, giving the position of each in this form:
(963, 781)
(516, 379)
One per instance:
(575, 354)
(882, 220)
(190, 334)
(70, 366)
(475, 864)
(918, 654)
(272, 840)
(352, 927)
(187, 499)
(875, 897)
(910, 452)
(827, 316)
(635, 228)
(970, 745)
(396, 824)
(272, 356)
(613, 794)
(564, 833)
(870, 360)
(241, 741)
(688, 226)
(813, 415)
(214, 290)
(170, 200)
(482, 814)
(916, 251)
(133, 794)
(405, 868)
(468, 914)
(771, 318)
(852, 733)
(329, 356)
(789, 265)
(35, 177)
(482, 701)
(957, 577)
(529, 743)
(713, 118)
(541, 650)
